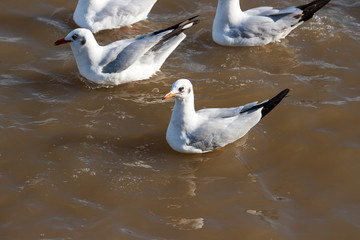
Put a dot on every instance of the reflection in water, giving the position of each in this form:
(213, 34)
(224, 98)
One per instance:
(188, 177)
(187, 224)
(267, 192)
(176, 205)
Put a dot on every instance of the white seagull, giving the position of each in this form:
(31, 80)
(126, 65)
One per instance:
(97, 15)
(258, 26)
(124, 60)
(204, 130)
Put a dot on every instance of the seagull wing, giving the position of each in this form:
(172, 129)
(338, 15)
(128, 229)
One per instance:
(223, 112)
(205, 136)
(218, 128)
(218, 132)
(145, 43)
(261, 11)
(264, 21)
(131, 53)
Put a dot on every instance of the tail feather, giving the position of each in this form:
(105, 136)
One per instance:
(270, 104)
(311, 8)
(177, 29)
(179, 25)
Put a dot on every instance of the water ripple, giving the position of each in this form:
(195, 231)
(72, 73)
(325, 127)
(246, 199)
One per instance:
(11, 39)
(63, 27)
(87, 203)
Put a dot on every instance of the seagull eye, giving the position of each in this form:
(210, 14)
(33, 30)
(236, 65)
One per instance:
(75, 36)
(181, 89)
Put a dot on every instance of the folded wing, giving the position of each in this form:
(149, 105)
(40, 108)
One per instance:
(145, 43)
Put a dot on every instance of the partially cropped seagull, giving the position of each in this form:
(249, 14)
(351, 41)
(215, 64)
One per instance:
(258, 26)
(204, 130)
(124, 60)
(98, 15)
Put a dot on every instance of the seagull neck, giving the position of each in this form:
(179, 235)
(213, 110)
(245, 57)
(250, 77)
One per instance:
(184, 110)
(228, 9)
(88, 55)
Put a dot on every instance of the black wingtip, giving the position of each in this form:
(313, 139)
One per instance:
(180, 25)
(189, 19)
(311, 8)
(272, 103)
(184, 23)
(176, 30)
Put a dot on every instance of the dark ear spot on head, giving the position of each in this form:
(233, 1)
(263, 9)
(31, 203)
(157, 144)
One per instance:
(189, 90)
(83, 41)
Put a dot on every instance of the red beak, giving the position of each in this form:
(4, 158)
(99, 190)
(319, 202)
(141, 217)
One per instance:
(61, 41)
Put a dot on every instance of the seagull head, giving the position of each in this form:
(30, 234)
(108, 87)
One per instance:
(180, 89)
(78, 38)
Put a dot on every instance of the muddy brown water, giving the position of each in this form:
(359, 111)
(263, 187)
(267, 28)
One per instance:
(81, 161)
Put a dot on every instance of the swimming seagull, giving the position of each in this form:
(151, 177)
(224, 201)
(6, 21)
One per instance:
(124, 60)
(204, 130)
(97, 15)
(258, 26)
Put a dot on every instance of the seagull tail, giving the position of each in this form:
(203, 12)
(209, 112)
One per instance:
(181, 26)
(311, 8)
(269, 105)
(176, 30)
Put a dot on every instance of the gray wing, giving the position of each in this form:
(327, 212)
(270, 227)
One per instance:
(131, 53)
(291, 15)
(220, 131)
(272, 12)
(224, 112)
(266, 20)
(145, 43)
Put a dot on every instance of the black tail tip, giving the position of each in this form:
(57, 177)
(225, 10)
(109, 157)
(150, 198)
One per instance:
(284, 92)
(281, 94)
(192, 20)
(311, 8)
(272, 103)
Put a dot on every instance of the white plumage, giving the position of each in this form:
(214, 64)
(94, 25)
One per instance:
(124, 60)
(204, 130)
(97, 15)
(258, 26)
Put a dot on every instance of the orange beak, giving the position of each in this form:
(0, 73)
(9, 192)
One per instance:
(169, 95)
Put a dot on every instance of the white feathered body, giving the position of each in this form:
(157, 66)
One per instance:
(92, 58)
(97, 15)
(257, 26)
(204, 130)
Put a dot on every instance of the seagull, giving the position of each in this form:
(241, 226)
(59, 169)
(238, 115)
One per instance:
(258, 26)
(204, 130)
(124, 60)
(97, 15)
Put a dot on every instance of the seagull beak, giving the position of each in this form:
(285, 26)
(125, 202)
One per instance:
(169, 95)
(62, 41)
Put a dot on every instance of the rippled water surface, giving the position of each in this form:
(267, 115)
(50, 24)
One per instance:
(81, 161)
